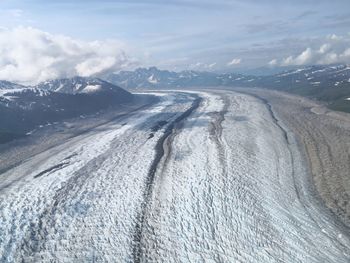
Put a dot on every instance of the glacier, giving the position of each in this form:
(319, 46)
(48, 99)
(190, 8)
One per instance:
(229, 184)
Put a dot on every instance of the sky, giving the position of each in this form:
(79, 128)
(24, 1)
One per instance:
(42, 39)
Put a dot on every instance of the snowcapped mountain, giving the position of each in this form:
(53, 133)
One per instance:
(6, 85)
(96, 90)
(336, 72)
(313, 76)
(143, 78)
(77, 85)
(24, 108)
(24, 98)
(156, 78)
(329, 83)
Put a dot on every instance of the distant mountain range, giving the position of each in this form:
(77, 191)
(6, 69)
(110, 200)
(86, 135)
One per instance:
(329, 83)
(153, 78)
(334, 75)
(24, 108)
(9, 85)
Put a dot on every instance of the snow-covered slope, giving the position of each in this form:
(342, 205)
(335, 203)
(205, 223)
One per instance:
(330, 83)
(320, 76)
(332, 76)
(9, 85)
(156, 78)
(224, 183)
(143, 78)
(78, 85)
(17, 93)
(21, 108)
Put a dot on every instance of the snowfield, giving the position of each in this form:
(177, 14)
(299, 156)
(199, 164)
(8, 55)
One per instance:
(198, 177)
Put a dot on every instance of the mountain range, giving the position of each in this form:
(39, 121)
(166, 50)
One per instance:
(311, 76)
(24, 108)
(329, 83)
(80, 85)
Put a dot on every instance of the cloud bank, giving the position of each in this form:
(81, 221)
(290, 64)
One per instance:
(29, 56)
(202, 66)
(234, 61)
(334, 49)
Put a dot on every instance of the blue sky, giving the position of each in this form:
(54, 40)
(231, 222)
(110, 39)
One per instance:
(191, 34)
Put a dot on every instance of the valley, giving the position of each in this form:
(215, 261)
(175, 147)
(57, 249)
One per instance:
(196, 175)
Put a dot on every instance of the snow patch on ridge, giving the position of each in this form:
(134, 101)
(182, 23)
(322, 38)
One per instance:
(91, 88)
(152, 79)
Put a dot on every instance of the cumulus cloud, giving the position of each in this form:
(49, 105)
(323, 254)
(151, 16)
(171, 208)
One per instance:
(324, 48)
(234, 61)
(212, 65)
(29, 56)
(273, 62)
(335, 49)
(202, 66)
(304, 58)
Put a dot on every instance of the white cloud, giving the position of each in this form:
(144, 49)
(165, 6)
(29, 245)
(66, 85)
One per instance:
(273, 62)
(304, 58)
(234, 61)
(202, 66)
(324, 48)
(198, 64)
(334, 37)
(329, 58)
(335, 49)
(346, 53)
(29, 55)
